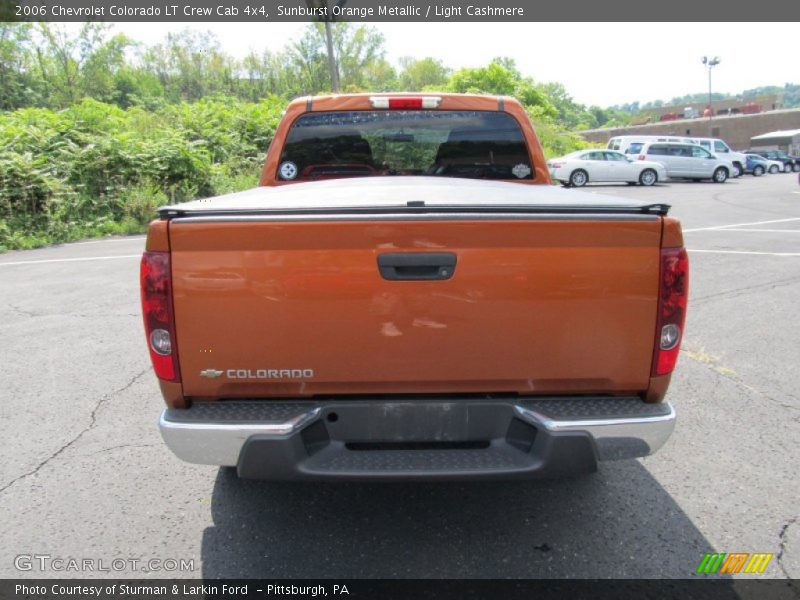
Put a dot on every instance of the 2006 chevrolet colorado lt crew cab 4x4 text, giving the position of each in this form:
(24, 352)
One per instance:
(405, 295)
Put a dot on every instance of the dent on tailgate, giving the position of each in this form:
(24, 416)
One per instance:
(534, 306)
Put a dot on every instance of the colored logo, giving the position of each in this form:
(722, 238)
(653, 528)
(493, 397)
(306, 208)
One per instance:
(735, 562)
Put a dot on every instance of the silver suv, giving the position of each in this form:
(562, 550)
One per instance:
(687, 161)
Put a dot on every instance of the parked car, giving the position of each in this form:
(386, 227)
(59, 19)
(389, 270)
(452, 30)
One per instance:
(773, 166)
(687, 161)
(579, 168)
(789, 163)
(632, 144)
(721, 150)
(755, 165)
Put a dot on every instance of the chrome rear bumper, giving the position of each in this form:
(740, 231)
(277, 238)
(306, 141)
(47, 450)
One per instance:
(416, 438)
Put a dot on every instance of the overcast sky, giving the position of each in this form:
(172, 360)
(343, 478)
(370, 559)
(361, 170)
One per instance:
(599, 63)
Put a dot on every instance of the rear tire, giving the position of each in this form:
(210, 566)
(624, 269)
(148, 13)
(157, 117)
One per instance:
(773, 169)
(648, 177)
(758, 171)
(578, 178)
(739, 169)
(720, 175)
(787, 168)
(796, 168)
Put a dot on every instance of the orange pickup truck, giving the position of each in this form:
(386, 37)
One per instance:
(406, 296)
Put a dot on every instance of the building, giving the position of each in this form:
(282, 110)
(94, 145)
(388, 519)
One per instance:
(736, 130)
(788, 141)
(753, 104)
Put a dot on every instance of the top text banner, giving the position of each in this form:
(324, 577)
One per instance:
(377, 11)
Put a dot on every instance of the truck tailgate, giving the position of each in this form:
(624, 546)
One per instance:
(268, 308)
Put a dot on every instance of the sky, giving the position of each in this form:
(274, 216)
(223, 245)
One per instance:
(598, 63)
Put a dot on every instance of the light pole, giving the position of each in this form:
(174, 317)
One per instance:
(710, 63)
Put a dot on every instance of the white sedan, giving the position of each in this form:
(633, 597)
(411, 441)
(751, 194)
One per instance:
(583, 166)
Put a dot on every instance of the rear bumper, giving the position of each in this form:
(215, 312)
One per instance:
(416, 438)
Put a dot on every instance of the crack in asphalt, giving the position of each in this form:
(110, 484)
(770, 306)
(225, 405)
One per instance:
(89, 427)
(758, 209)
(739, 383)
(22, 311)
(109, 449)
(32, 314)
(741, 291)
(782, 545)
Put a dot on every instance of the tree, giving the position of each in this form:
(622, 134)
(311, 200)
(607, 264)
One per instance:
(191, 65)
(16, 83)
(360, 58)
(501, 77)
(420, 74)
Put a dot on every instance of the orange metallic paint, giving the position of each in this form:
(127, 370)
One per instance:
(172, 393)
(158, 237)
(657, 388)
(350, 102)
(672, 236)
(534, 307)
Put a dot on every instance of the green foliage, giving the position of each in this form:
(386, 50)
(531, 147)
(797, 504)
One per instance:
(95, 168)
(99, 131)
(425, 73)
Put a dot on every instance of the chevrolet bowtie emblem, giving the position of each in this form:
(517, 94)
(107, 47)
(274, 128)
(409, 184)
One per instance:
(210, 373)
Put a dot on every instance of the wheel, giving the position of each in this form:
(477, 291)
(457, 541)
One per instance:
(758, 171)
(773, 169)
(578, 178)
(648, 177)
(720, 175)
(787, 167)
(739, 169)
(796, 167)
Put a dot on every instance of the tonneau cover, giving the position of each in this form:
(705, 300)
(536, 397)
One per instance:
(413, 194)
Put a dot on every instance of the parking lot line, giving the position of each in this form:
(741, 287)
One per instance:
(716, 227)
(61, 260)
(745, 252)
(131, 238)
(758, 230)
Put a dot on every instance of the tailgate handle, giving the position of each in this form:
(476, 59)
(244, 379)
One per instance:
(417, 266)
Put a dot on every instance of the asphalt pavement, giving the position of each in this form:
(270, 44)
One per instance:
(84, 473)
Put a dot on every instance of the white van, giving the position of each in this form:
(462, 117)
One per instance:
(687, 161)
(722, 150)
(632, 144)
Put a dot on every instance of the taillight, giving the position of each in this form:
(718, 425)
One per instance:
(673, 294)
(155, 277)
(557, 165)
(405, 102)
(642, 157)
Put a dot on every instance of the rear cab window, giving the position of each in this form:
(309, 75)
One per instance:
(472, 144)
